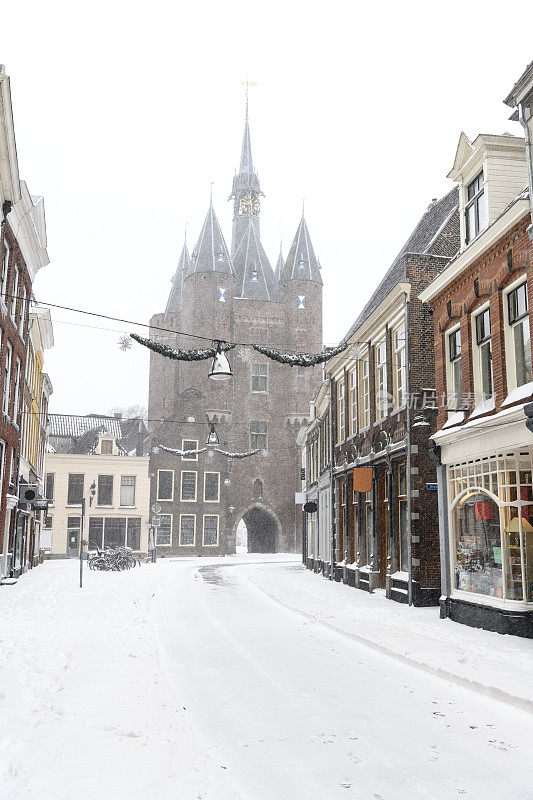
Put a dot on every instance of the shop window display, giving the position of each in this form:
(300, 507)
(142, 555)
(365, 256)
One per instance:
(494, 534)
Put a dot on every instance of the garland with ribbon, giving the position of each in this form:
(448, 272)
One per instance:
(181, 355)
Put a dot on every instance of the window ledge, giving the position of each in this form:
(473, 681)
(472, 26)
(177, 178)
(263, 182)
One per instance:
(454, 419)
(485, 407)
(127, 506)
(519, 393)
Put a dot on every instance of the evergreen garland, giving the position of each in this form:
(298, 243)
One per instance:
(212, 449)
(181, 355)
(301, 359)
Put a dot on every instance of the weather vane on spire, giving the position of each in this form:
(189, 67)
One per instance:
(248, 84)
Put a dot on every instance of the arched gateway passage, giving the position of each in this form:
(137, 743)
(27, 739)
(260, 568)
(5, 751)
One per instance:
(262, 533)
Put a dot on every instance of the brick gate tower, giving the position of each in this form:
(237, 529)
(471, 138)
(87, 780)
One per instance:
(234, 295)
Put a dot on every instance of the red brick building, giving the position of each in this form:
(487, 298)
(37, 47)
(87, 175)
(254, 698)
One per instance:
(22, 253)
(484, 383)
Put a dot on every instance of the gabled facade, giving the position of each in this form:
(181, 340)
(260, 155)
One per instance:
(97, 459)
(384, 503)
(234, 294)
(484, 382)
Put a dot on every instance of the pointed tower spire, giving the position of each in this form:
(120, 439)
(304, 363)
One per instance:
(279, 262)
(210, 253)
(176, 291)
(246, 191)
(302, 263)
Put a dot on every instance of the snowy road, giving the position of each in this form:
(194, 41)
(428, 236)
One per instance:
(185, 680)
(293, 710)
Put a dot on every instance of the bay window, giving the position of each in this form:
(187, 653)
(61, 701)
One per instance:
(492, 520)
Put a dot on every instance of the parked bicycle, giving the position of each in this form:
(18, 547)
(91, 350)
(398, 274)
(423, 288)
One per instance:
(113, 559)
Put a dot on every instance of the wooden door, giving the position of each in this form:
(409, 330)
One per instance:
(382, 523)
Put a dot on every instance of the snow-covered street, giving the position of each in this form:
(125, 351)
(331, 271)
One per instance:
(225, 678)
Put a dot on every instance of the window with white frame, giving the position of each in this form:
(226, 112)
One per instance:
(381, 380)
(474, 208)
(483, 357)
(7, 379)
(16, 399)
(455, 371)
(259, 378)
(4, 269)
(127, 490)
(519, 339)
(15, 290)
(22, 311)
(400, 370)
(364, 392)
(2, 462)
(353, 401)
(258, 435)
(210, 532)
(189, 480)
(341, 409)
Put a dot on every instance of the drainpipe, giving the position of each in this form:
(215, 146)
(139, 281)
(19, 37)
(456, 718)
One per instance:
(408, 443)
(529, 160)
(331, 485)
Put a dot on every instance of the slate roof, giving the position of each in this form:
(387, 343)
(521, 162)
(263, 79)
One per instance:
(301, 263)
(421, 240)
(255, 279)
(210, 253)
(83, 431)
(175, 296)
(70, 425)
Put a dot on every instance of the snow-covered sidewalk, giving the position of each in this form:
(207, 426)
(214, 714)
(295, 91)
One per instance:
(85, 712)
(494, 665)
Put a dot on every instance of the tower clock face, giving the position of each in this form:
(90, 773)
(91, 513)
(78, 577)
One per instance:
(249, 204)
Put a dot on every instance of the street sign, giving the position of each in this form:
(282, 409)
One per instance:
(156, 508)
(431, 487)
(156, 521)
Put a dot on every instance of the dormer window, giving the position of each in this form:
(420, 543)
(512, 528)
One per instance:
(475, 208)
(254, 276)
(220, 257)
(106, 447)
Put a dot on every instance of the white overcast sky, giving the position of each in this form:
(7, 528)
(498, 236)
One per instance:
(125, 112)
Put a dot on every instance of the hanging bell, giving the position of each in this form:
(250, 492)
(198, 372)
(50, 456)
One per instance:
(220, 368)
(212, 439)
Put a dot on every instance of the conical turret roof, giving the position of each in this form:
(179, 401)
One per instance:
(175, 296)
(210, 253)
(301, 263)
(255, 279)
